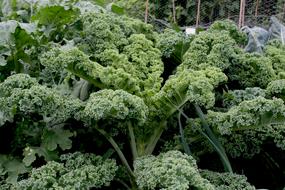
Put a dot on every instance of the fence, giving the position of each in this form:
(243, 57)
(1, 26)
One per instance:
(204, 12)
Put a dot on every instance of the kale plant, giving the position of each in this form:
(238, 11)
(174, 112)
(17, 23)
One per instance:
(77, 82)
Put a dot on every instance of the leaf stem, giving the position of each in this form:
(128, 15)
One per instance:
(154, 138)
(183, 140)
(214, 140)
(133, 141)
(118, 150)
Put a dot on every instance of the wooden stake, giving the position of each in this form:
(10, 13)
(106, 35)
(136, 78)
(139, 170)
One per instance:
(256, 8)
(174, 11)
(198, 14)
(241, 13)
(146, 12)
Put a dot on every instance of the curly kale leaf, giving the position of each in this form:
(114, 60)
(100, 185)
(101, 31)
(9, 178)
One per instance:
(214, 48)
(188, 85)
(274, 50)
(169, 171)
(42, 101)
(227, 181)
(251, 70)
(102, 31)
(173, 44)
(245, 127)
(74, 171)
(21, 81)
(137, 70)
(231, 27)
(248, 114)
(52, 73)
(24, 97)
(115, 105)
(235, 97)
(39, 114)
(112, 52)
(276, 89)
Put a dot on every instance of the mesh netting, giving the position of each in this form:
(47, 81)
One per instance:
(184, 12)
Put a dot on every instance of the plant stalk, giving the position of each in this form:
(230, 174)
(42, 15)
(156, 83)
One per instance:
(214, 140)
(183, 140)
(154, 138)
(133, 141)
(118, 150)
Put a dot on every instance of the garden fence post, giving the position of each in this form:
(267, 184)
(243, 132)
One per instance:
(241, 13)
(198, 14)
(146, 11)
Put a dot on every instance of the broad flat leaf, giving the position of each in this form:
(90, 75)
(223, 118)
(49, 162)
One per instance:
(29, 156)
(31, 152)
(22, 38)
(117, 9)
(28, 27)
(54, 18)
(86, 6)
(100, 2)
(54, 15)
(57, 137)
(13, 167)
(6, 28)
(3, 62)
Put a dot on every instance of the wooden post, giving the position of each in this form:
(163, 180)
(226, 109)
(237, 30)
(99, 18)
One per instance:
(146, 11)
(241, 13)
(174, 11)
(198, 14)
(256, 8)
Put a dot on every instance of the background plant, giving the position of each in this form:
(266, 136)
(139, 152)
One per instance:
(100, 83)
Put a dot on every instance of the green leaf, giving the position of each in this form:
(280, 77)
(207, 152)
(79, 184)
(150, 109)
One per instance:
(28, 27)
(175, 27)
(31, 152)
(100, 2)
(55, 16)
(117, 9)
(6, 28)
(214, 140)
(13, 167)
(3, 62)
(182, 136)
(57, 137)
(29, 156)
(22, 38)
(180, 50)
